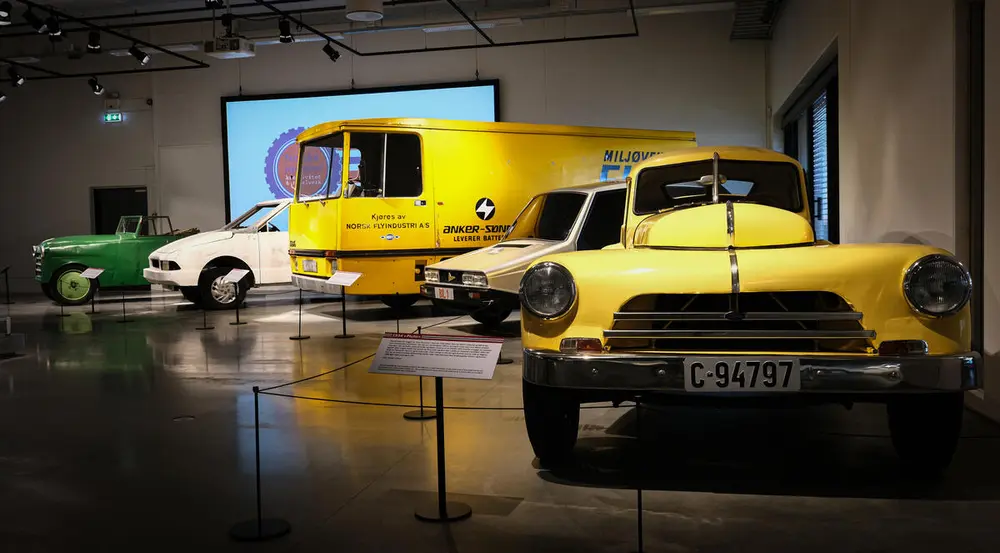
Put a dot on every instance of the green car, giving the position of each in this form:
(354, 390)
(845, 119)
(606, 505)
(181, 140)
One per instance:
(60, 262)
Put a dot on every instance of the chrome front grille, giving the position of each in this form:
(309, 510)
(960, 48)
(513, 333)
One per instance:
(756, 321)
(36, 252)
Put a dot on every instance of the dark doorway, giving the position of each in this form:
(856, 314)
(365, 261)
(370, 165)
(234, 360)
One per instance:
(111, 203)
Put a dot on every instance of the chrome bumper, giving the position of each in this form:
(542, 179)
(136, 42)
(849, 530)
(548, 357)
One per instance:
(844, 374)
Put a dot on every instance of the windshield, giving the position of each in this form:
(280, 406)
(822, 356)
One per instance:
(255, 215)
(320, 168)
(774, 184)
(128, 225)
(547, 217)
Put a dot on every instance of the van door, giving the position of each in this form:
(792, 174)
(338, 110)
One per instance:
(387, 205)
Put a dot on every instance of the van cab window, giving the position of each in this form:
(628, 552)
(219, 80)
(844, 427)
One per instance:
(319, 169)
(388, 166)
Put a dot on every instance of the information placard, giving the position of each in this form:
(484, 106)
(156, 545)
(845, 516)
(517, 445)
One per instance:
(343, 278)
(235, 275)
(91, 273)
(447, 356)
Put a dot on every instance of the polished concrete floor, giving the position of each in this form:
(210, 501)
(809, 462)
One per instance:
(139, 436)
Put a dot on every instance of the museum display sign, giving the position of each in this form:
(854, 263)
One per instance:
(718, 292)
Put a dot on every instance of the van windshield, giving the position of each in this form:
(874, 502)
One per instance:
(547, 217)
(320, 168)
(774, 184)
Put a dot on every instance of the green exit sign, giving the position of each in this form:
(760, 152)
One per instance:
(113, 117)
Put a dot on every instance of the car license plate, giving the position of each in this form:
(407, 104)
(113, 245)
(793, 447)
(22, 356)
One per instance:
(444, 293)
(309, 265)
(741, 374)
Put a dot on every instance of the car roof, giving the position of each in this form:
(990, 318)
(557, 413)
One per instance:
(599, 186)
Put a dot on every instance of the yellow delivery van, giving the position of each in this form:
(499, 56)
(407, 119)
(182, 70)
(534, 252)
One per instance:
(411, 192)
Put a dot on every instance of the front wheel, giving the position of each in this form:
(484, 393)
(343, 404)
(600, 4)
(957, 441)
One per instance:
(216, 293)
(399, 302)
(552, 419)
(925, 430)
(69, 287)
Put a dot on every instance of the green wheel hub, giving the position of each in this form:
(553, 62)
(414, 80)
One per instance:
(71, 286)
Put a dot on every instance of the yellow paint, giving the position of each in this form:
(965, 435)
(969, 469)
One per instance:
(868, 276)
(462, 163)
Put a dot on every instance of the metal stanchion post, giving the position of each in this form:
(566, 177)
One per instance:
(204, 321)
(237, 321)
(299, 336)
(443, 510)
(258, 529)
(419, 414)
(638, 488)
(6, 285)
(343, 315)
(124, 319)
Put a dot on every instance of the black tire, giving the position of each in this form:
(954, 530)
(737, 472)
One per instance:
(925, 430)
(491, 316)
(191, 294)
(213, 299)
(399, 302)
(552, 418)
(61, 298)
(47, 290)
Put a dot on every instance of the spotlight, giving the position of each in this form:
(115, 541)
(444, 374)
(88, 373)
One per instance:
(94, 42)
(2, 96)
(4, 14)
(34, 21)
(329, 50)
(95, 86)
(285, 32)
(139, 55)
(53, 26)
(16, 78)
(213, 4)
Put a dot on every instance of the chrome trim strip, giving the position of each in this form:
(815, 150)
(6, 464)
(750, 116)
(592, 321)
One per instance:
(734, 269)
(765, 334)
(750, 316)
(731, 224)
(715, 178)
(819, 374)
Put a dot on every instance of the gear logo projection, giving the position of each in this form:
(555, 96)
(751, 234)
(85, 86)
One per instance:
(262, 156)
(282, 162)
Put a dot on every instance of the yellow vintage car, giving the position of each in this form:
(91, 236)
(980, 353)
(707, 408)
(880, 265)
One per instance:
(719, 293)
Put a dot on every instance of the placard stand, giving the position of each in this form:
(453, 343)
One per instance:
(443, 510)
(124, 318)
(299, 336)
(234, 277)
(419, 414)
(260, 528)
(343, 315)
(204, 321)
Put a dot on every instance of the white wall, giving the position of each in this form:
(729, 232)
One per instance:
(897, 73)
(681, 73)
(901, 128)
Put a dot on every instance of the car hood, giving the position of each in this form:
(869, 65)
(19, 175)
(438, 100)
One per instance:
(500, 258)
(79, 240)
(194, 241)
(740, 225)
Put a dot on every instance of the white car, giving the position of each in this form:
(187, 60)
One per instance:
(256, 241)
(484, 283)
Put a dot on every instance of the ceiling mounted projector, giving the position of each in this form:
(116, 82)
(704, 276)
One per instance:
(364, 10)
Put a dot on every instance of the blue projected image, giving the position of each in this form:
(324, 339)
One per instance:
(260, 134)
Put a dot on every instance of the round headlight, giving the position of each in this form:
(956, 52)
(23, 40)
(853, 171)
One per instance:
(937, 285)
(547, 290)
